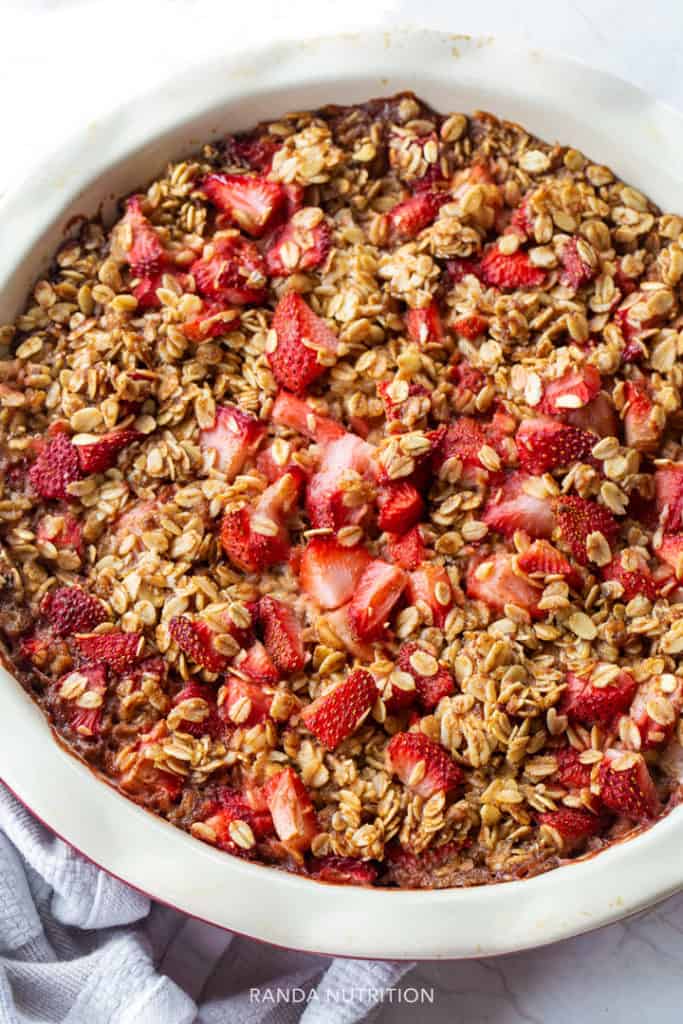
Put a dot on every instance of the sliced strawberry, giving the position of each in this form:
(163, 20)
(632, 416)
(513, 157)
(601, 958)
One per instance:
(253, 151)
(300, 337)
(573, 390)
(299, 245)
(670, 551)
(293, 412)
(656, 710)
(642, 427)
(72, 610)
(256, 662)
(338, 621)
(68, 535)
(626, 786)
(231, 270)
(337, 714)
(196, 639)
(145, 292)
(282, 634)
(597, 705)
(400, 507)
(573, 825)
(514, 507)
(378, 590)
(510, 272)
(212, 321)
(468, 380)
(494, 581)
(406, 550)
(458, 269)
(141, 777)
(83, 710)
(424, 324)
(422, 765)
(345, 461)
(471, 326)
(571, 771)
(598, 416)
(244, 703)
(234, 438)
(146, 255)
(544, 444)
(252, 202)
(522, 220)
(117, 650)
(577, 518)
(409, 217)
(576, 270)
(632, 571)
(204, 720)
(396, 408)
(463, 439)
(292, 811)
(343, 871)
(429, 587)
(432, 680)
(330, 573)
(242, 536)
(56, 467)
(101, 454)
(541, 559)
(669, 496)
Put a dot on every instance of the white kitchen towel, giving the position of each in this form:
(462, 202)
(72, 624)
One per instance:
(79, 947)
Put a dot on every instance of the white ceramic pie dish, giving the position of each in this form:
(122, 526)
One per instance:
(558, 99)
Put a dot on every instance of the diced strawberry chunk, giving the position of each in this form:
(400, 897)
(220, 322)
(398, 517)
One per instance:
(577, 518)
(494, 581)
(212, 321)
(670, 551)
(244, 703)
(198, 701)
(522, 220)
(400, 507)
(344, 871)
(301, 244)
(234, 438)
(576, 269)
(251, 201)
(338, 622)
(143, 779)
(330, 573)
(463, 439)
(669, 496)
(300, 338)
(409, 217)
(399, 408)
(631, 570)
(573, 825)
(282, 634)
(253, 151)
(510, 272)
(196, 639)
(101, 454)
(406, 549)
(429, 587)
(67, 535)
(345, 462)
(293, 412)
(471, 326)
(242, 536)
(72, 610)
(117, 650)
(573, 390)
(378, 590)
(626, 786)
(231, 270)
(292, 811)
(458, 269)
(598, 416)
(515, 506)
(56, 467)
(542, 559)
(432, 680)
(146, 255)
(597, 705)
(78, 693)
(337, 714)
(468, 380)
(219, 816)
(256, 662)
(642, 426)
(544, 444)
(571, 771)
(656, 710)
(424, 324)
(422, 765)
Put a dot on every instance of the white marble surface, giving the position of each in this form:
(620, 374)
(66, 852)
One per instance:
(65, 60)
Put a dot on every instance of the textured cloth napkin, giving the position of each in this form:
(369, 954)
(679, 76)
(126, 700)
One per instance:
(79, 947)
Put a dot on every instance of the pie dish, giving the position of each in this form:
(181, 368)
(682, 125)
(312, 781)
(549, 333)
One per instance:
(405, 331)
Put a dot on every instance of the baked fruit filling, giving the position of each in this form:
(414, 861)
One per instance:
(342, 498)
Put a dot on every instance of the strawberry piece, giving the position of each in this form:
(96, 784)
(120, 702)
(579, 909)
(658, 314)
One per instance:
(253, 151)
(255, 661)
(146, 255)
(400, 408)
(145, 291)
(598, 416)
(338, 622)
(244, 544)
(408, 218)
(205, 721)
(468, 380)
(494, 581)
(299, 245)
(67, 536)
(576, 271)
(84, 720)
(669, 496)
(56, 467)
(293, 814)
(597, 705)
(429, 587)
(337, 714)
(344, 461)
(571, 771)
(432, 680)
(330, 573)
(577, 518)
(244, 702)
(510, 272)
(424, 324)
(656, 710)
(142, 779)
(632, 571)
(295, 413)
(406, 866)
(408, 751)
(544, 444)
(195, 638)
(406, 550)
(117, 650)
(251, 201)
(542, 559)
(515, 507)
(626, 786)
(231, 270)
(72, 610)
(378, 590)
(400, 507)
(463, 439)
(642, 427)
(670, 551)
(282, 634)
(233, 437)
(573, 825)
(522, 220)
(344, 871)
(471, 326)
(573, 390)
(212, 321)
(301, 336)
(458, 269)
(102, 453)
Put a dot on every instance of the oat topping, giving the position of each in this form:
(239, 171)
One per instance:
(342, 498)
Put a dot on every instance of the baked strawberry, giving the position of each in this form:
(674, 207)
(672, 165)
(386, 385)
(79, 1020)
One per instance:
(198, 701)
(292, 811)
(573, 390)
(378, 590)
(253, 151)
(72, 610)
(251, 201)
(522, 220)
(458, 269)
(213, 320)
(254, 540)
(463, 439)
(424, 324)
(221, 819)
(422, 765)
(577, 518)
(643, 424)
(541, 559)
(584, 702)
(282, 634)
(243, 702)
(510, 272)
(515, 506)
(400, 507)
(234, 438)
(301, 244)
(300, 338)
(295, 413)
(343, 870)
(406, 550)
(230, 270)
(117, 650)
(337, 714)
(471, 326)
(432, 680)
(101, 454)
(145, 292)
(330, 572)
(576, 269)
(598, 416)
(670, 551)
(81, 695)
(429, 588)
(66, 535)
(494, 581)
(544, 444)
(399, 399)
(139, 775)
(669, 496)
(56, 467)
(626, 786)
(571, 771)
(255, 661)
(146, 254)
(656, 710)
(338, 621)
(631, 570)
(468, 380)
(346, 462)
(407, 219)
(195, 638)
(573, 825)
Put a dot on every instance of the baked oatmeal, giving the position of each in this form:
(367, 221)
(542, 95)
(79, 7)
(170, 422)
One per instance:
(342, 498)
